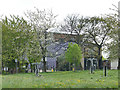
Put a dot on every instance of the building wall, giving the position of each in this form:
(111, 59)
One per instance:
(51, 63)
(65, 37)
(68, 37)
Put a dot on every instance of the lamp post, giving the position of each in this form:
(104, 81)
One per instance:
(16, 65)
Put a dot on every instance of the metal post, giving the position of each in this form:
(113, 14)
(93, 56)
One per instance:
(105, 68)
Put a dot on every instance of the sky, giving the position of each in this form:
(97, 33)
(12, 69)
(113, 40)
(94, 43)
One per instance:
(59, 7)
(62, 8)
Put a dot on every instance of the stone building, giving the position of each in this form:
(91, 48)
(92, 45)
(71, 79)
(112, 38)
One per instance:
(60, 45)
(66, 37)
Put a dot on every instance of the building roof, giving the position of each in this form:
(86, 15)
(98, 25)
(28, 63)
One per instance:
(58, 30)
(57, 49)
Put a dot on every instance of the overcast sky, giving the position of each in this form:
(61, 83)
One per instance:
(60, 7)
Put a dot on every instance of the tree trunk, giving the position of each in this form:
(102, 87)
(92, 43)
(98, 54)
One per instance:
(44, 51)
(99, 57)
(34, 68)
(19, 69)
(81, 66)
(44, 63)
(31, 67)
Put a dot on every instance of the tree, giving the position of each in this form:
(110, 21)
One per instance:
(75, 25)
(8, 52)
(114, 46)
(73, 54)
(33, 51)
(62, 64)
(97, 30)
(16, 35)
(41, 21)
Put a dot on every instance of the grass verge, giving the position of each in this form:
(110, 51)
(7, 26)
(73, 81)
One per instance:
(62, 79)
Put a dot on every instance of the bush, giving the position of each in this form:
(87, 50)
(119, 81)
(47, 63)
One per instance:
(62, 65)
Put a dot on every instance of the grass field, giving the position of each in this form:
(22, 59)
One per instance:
(62, 79)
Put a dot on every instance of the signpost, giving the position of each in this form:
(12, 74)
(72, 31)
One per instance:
(105, 68)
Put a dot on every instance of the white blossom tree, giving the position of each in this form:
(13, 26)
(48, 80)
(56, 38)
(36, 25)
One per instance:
(41, 21)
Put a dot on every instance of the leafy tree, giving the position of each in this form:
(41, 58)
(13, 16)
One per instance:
(16, 36)
(73, 54)
(33, 51)
(41, 21)
(7, 38)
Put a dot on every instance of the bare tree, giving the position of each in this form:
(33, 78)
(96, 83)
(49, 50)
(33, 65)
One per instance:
(75, 25)
(42, 20)
(97, 31)
(70, 23)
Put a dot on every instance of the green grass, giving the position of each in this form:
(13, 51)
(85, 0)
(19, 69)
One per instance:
(62, 79)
